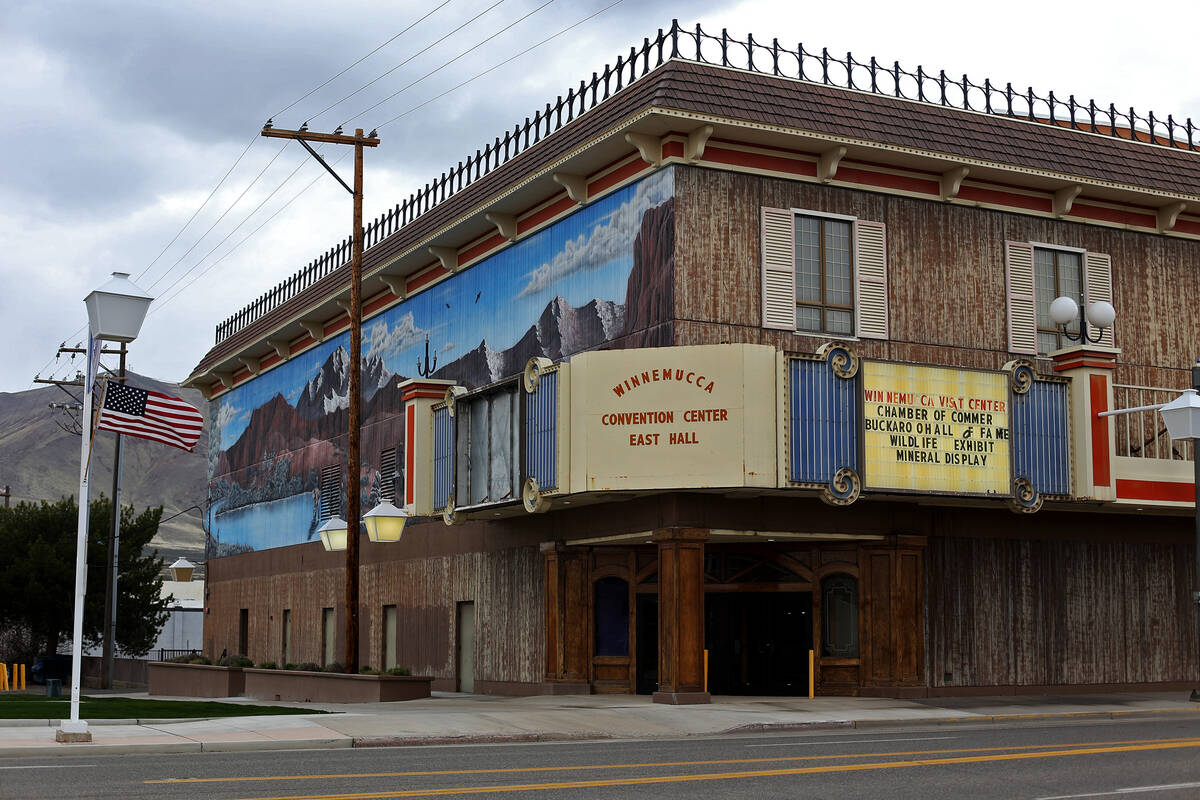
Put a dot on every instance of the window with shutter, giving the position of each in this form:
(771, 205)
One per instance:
(387, 474)
(329, 492)
(824, 273)
(1037, 274)
(1022, 313)
(1098, 286)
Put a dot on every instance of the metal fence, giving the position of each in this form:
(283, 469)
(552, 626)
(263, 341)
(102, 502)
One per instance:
(167, 655)
(776, 59)
(1143, 434)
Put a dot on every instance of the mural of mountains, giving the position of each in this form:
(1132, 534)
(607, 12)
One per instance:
(40, 461)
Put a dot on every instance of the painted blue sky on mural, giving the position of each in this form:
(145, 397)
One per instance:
(583, 257)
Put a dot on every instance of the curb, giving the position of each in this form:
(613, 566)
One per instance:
(1149, 713)
(496, 738)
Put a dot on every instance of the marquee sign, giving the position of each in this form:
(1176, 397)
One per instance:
(677, 417)
(931, 429)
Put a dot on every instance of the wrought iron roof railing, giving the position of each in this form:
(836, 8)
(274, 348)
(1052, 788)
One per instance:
(753, 56)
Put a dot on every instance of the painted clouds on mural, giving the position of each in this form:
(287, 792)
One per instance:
(608, 241)
(562, 290)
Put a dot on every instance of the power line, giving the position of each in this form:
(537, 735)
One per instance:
(448, 63)
(246, 219)
(359, 61)
(248, 236)
(237, 200)
(405, 61)
(495, 67)
(199, 208)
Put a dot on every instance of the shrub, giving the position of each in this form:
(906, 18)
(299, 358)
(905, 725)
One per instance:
(309, 666)
(402, 671)
(235, 661)
(291, 666)
(334, 666)
(200, 660)
(186, 658)
(365, 670)
(268, 665)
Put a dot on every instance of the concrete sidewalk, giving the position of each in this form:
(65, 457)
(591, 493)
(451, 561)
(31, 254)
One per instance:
(465, 719)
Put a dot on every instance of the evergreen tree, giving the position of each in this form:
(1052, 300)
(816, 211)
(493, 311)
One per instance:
(37, 575)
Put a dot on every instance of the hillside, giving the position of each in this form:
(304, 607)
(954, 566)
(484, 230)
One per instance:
(40, 461)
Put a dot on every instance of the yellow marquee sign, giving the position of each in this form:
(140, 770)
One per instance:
(930, 429)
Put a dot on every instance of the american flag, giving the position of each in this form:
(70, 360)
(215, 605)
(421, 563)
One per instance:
(150, 415)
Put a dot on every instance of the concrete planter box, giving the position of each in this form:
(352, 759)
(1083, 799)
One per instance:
(195, 680)
(334, 687)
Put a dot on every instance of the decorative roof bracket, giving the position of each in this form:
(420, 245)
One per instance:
(447, 255)
(1168, 215)
(952, 180)
(397, 284)
(827, 164)
(282, 347)
(506, 224)
(649, 147)
(576, 185)
(315, 329)
(1064, 198)
(693, 151)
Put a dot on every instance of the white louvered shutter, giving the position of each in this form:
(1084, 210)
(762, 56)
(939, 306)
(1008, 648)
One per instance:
(870, 251)
(779, 268)
(1097, 282)
(1022, 311)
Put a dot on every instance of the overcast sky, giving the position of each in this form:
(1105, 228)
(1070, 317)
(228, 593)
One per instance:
(117, 119)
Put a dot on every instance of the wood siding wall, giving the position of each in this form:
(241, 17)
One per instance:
(1019, 612)
(945, 275)
(506, 585)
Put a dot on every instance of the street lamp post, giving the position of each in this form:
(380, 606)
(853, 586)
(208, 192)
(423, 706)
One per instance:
(1182, 416)
(115, 313)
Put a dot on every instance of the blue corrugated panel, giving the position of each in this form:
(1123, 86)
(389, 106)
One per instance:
(1041, 447)
(541, 432)
(824, 422)
(443, 457)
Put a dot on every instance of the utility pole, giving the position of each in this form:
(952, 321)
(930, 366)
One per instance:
(353, 461)
(114, 544)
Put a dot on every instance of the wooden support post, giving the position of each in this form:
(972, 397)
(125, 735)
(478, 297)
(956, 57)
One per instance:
(681, 616)
(353, 461)
(566, 619)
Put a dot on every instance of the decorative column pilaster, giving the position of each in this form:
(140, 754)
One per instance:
(419, 397)
(681, 616)
(566, 619)
(1090, 369)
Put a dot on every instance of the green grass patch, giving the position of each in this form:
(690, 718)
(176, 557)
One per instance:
(32, 706)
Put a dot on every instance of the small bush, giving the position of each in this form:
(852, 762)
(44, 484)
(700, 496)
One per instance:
(334, 666)
(235, 660)
(183, 659)
(309, 666)
(365, 670)
(268, 665)
(291, 666)
(200, 660)
(402, 671)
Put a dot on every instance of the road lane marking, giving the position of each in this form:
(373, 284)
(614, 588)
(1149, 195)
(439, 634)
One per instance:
(1165, 787)
(707, 762)
(858, 741)
(51, 766)
(725, 776)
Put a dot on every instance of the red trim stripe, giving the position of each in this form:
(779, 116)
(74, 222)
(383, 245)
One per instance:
(1156, 490)
(1098, 386)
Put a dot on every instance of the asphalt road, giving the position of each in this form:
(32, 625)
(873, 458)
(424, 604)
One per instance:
(1157, 758)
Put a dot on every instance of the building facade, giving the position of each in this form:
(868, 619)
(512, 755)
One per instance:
(709, 367)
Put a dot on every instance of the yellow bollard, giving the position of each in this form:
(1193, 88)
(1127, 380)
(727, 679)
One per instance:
(811, 677)
(22, 677)
(3, 677)
(706, 670)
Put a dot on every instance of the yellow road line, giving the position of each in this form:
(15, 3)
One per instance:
(704, 763)
(725, 776)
